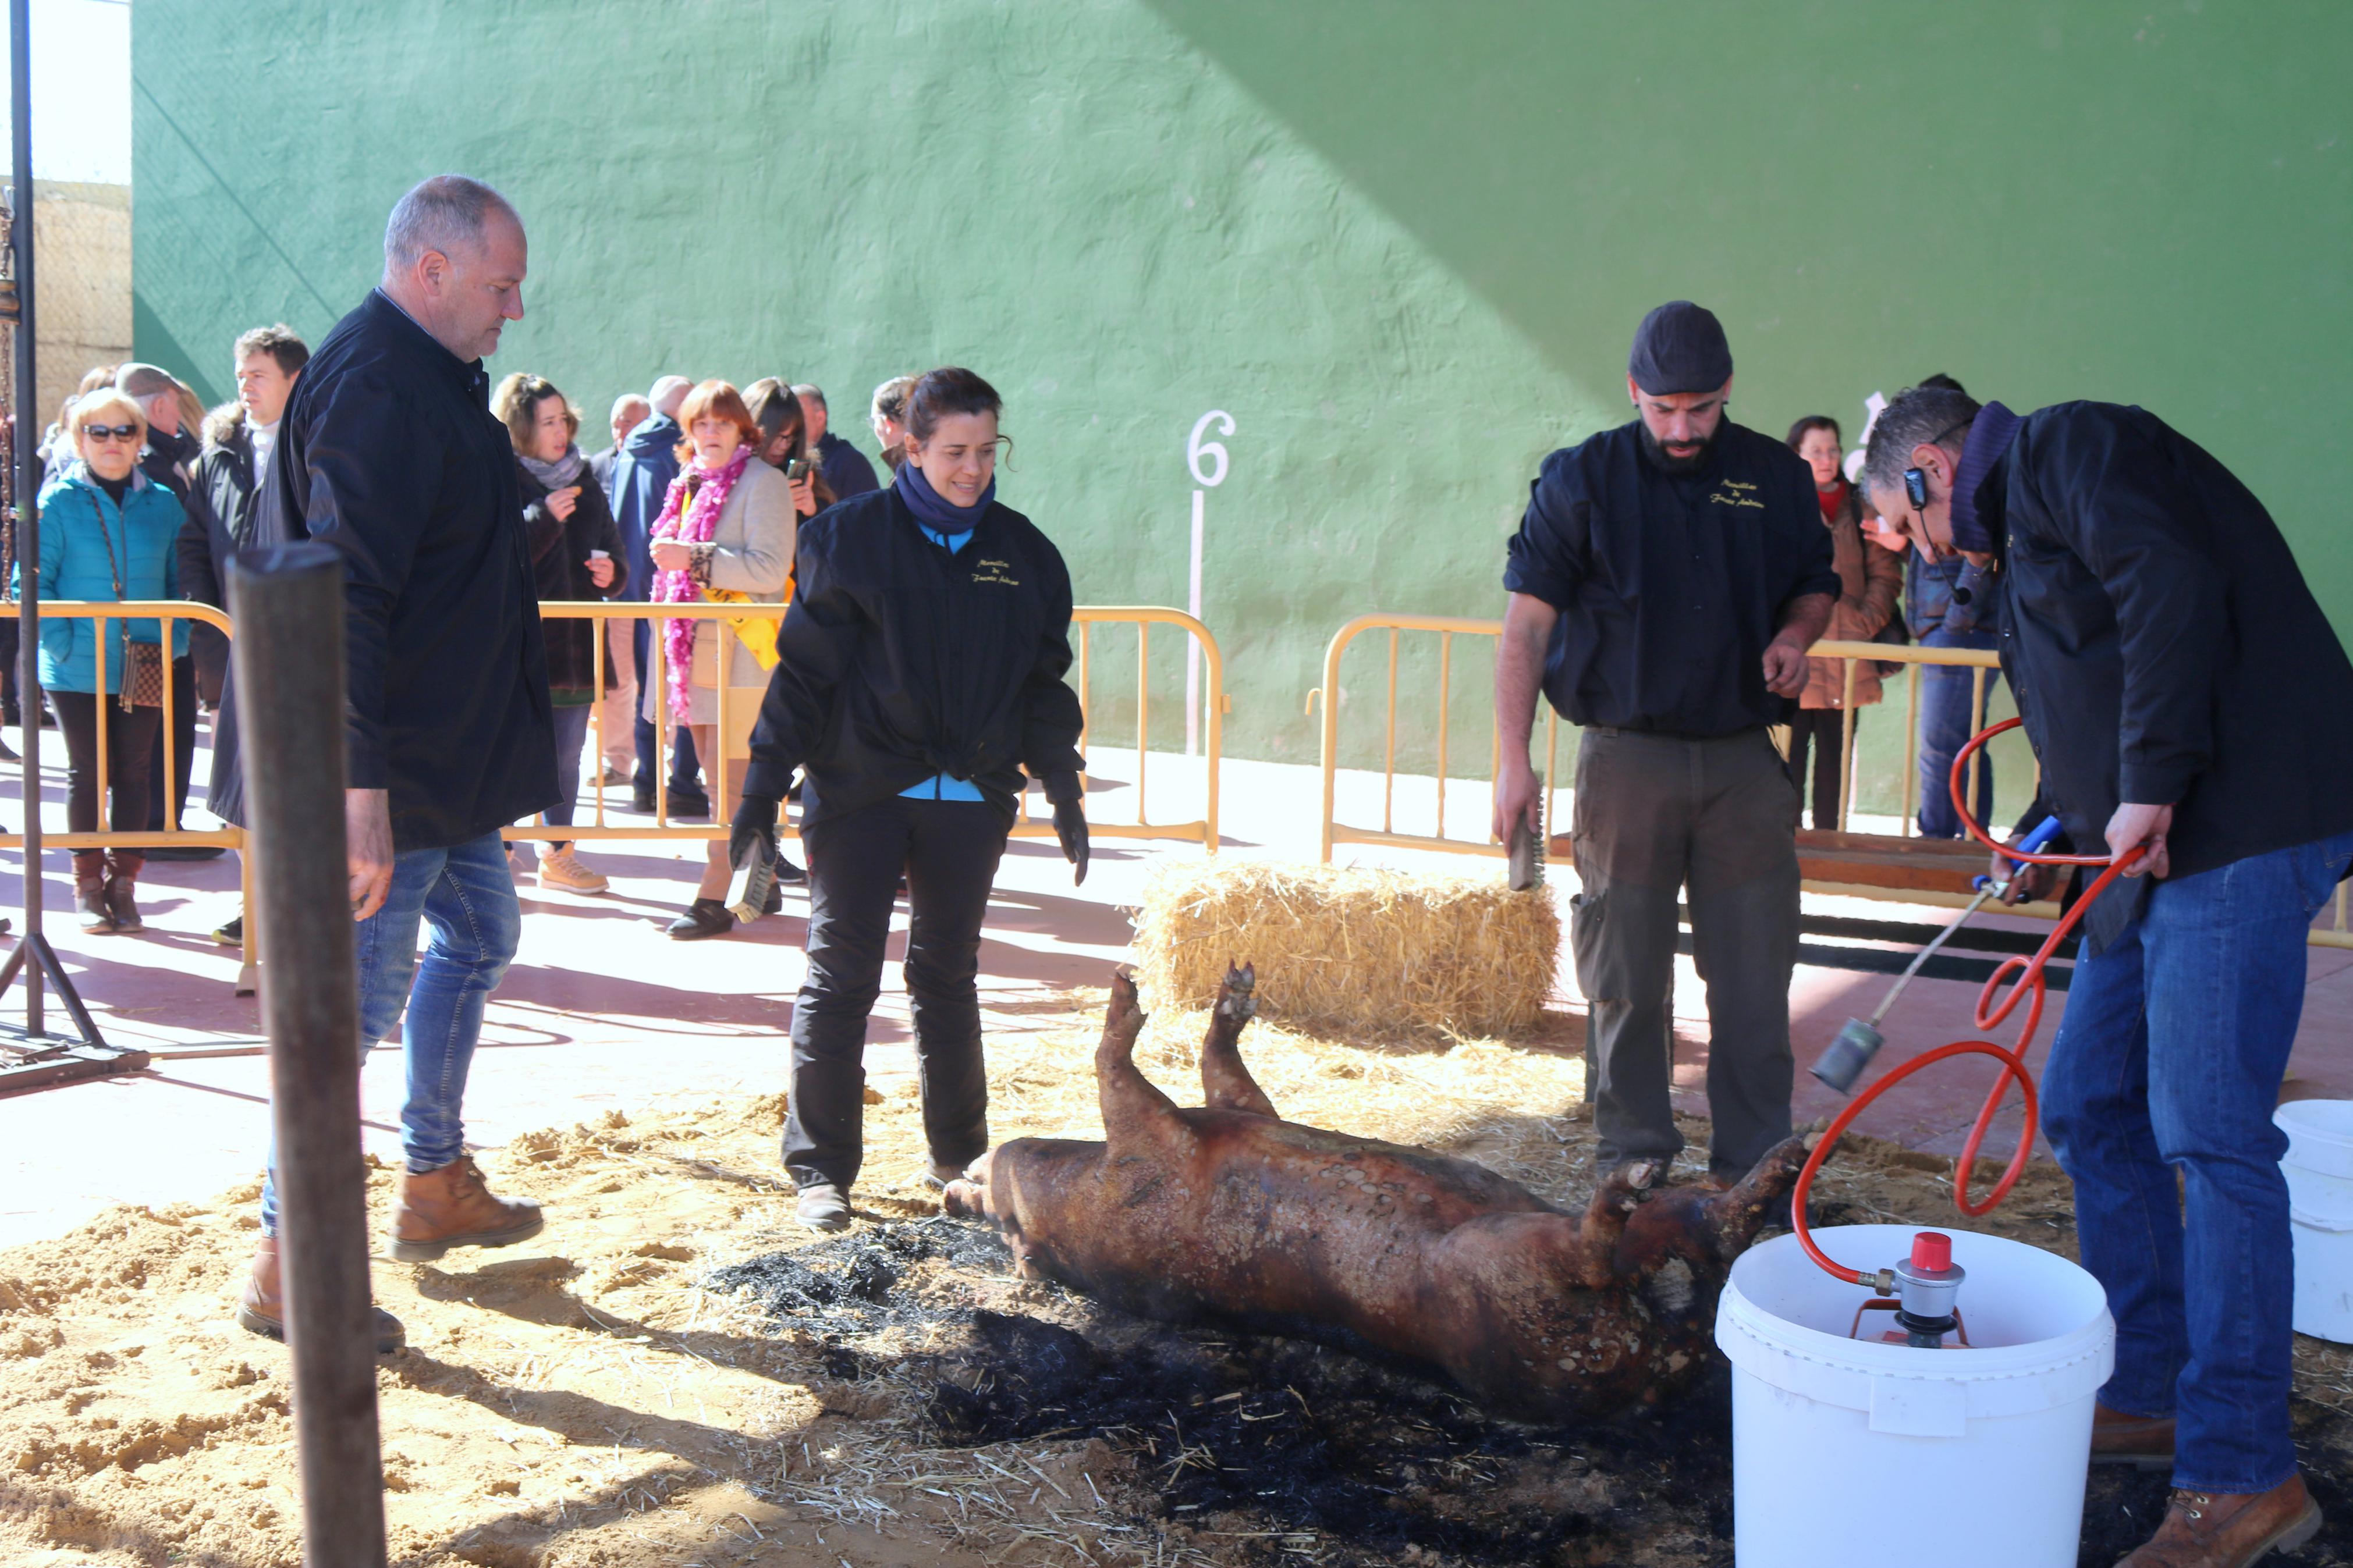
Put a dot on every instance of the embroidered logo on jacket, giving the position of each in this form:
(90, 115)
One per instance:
(999, 571)
(1733, 492)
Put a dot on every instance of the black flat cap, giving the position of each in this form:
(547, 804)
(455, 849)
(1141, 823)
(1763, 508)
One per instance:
(1680, 347)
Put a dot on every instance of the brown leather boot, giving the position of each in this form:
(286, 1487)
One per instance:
(89, 891)
(451, 1207)
(2230, 1530)
(261, 1308)
(122, 869)
(2144, 1442)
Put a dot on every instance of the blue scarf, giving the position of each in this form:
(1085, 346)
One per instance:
(935, 512)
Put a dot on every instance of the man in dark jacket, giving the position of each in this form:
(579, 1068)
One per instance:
(389, 453)
(629, 411)
(2189, 703)
(641, 479)
(1665, 585)
(228, 497)
(847, 472)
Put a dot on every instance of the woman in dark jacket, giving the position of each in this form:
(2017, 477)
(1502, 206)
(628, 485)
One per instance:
(576, 554)
(919, 679)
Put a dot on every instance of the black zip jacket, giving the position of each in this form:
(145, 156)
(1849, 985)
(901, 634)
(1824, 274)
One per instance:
(899, 660)
(2163, 646)
(1669, 585)
(388, 453)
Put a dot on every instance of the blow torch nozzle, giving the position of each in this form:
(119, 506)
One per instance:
(1848, 1055)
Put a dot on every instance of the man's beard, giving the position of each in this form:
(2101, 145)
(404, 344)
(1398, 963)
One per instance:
(1690, 464)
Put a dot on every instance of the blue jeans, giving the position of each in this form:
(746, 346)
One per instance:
(685, 768)
(1947, 695)
(571, 738)
(2169, 1059)
(467, 896)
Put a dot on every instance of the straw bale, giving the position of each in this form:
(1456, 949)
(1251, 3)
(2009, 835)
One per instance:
(1350, 948)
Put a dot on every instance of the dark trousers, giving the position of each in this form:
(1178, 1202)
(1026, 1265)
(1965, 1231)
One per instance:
(130, 753)
(684, 766)
(948, 850)
(1655, 815)
(1821, 731)
(184, 746)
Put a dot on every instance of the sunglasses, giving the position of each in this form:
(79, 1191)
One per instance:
(112, 432)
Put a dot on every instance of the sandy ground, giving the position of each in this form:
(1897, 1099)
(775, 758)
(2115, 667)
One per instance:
(595, 1398)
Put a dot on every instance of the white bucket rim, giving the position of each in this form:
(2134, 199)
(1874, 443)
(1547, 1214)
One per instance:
(1891, 1383)
(2319, 1136)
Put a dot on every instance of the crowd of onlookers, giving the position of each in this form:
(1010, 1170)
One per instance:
(145, 495)
(1888, 593)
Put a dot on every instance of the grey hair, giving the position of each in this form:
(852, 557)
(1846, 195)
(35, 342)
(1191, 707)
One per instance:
(1920, 416)
(811, 392)
(670, 390)
(445, 213)
(623, 401)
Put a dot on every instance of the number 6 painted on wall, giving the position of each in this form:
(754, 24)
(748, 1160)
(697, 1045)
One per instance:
(1196, 449)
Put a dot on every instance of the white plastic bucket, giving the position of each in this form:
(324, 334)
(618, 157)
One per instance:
(1967, 1458)
(2319, 1170)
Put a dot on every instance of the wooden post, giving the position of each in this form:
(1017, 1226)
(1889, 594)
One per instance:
(288, 603)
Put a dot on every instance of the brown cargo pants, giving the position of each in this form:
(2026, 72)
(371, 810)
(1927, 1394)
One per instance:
(1654, 815)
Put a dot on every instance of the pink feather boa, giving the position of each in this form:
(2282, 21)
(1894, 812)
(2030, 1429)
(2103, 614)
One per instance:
(689, 523)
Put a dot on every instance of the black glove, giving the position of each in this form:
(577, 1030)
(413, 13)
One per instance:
(1069, 797)
(1071, 827)
(755, 820)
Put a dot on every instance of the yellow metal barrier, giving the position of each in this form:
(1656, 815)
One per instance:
(601, 614)
(170, 612)
(1449, 627)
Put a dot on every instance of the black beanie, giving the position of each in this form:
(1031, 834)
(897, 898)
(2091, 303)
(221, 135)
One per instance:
(1680, 347)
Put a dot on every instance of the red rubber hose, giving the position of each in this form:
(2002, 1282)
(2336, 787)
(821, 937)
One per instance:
(1994, 1006)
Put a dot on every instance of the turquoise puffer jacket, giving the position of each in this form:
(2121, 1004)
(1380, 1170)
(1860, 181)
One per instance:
(74, 566)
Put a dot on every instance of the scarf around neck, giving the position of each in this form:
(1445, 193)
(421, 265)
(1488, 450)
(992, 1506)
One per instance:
(554, 475)
(934, 511)
(690, 514)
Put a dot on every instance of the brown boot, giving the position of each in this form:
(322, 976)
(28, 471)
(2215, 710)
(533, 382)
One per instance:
(2144, 1442)
(262, 1307)
(451, 1207)
(123, 870)
(89, 891)
(2230, 1530)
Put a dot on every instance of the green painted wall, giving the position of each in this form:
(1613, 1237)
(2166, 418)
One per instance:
(1403, 245)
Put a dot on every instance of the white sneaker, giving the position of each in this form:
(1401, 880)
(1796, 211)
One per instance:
(560, 868)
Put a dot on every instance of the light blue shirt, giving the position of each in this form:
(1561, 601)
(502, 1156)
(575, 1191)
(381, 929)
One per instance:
(940, 786)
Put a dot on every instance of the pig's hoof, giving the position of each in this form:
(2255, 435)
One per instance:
(1238, 997)
(1124, 1000)
(966, 1200)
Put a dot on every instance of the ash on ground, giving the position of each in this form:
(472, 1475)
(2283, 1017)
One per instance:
(1262, 1449)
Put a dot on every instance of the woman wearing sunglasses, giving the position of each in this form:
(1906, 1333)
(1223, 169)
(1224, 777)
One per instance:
(106, 533)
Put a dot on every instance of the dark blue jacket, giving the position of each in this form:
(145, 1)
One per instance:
(899, 660)
(847, 472)
(2163, 646)
(1669, 585)
(648, 462)
(389, 454)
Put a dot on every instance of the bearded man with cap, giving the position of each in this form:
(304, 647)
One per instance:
(2187, 699)
(1665, 585)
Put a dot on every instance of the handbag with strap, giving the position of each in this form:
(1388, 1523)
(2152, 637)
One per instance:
(142, 662)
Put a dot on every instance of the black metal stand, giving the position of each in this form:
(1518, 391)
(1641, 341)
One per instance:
(29, 1061)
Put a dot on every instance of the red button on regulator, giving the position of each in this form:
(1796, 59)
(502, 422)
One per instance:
(1932, 1251)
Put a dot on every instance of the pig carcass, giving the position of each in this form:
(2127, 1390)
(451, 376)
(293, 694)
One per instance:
(1231, 1214)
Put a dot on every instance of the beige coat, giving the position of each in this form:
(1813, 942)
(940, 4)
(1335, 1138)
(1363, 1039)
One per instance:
(751, 551)
(1870, 581)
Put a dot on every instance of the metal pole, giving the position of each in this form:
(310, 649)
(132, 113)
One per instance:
(29, 478)
(288, 603)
